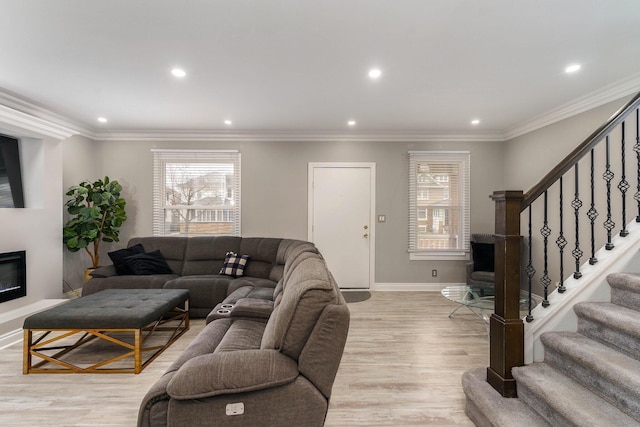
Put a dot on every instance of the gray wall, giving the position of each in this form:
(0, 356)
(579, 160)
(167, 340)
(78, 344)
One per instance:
(274, 192)
(529, 157)
(79, 164)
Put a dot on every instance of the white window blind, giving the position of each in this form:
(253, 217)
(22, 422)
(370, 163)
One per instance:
(196, 192)
(439, 194)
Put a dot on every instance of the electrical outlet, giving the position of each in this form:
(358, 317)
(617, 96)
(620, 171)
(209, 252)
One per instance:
(235, 408)
(434, 273)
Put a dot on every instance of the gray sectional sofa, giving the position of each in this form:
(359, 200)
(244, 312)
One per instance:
(273, 340)
(260, 362)
(195, 263)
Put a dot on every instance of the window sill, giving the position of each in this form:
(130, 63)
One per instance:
(439, 256)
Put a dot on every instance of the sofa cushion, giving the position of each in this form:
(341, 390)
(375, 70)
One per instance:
(104, 271)
(172, 248)
(205, 291)
(234, 264)
(242, 335)
(126, 282)
(253, 292)
(206, 254)
(247, 281)
(148, 264)
(117, 257)
(289, 249)
(298, 307)
(263, 252)
(231, 372)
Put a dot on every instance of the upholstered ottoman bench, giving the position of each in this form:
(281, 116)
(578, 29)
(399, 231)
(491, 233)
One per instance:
(127, 318)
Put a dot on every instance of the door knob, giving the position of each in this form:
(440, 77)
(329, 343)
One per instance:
(366, 227)
(365, 235)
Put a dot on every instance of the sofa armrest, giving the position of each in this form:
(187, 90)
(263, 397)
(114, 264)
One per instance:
(253, 308)
(231, 372)
(106, 271)
(244, 308)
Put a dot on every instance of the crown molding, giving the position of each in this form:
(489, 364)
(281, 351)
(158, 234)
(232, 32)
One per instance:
(306, 136)
(612, 92)
(27, 115)
(34, 124)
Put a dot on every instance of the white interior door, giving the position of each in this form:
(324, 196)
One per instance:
(341, 206)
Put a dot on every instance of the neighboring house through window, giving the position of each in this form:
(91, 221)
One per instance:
(439, 204)
(196, 192)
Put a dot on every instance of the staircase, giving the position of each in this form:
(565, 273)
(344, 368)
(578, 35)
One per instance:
(588, 378)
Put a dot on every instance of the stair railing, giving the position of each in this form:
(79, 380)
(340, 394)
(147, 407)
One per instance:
(546, 204)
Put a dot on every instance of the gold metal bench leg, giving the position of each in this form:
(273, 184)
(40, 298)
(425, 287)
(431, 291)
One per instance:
(137, 352)
(26, 348)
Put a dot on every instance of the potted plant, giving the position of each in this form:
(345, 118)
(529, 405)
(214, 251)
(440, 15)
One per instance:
(98, 213)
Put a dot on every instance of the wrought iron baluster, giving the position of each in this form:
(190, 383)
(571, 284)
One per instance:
(530, 270)
(623, 186)
(636, 148)
(608, 176)
(561, 242)
(576, 204)
(546, 232)
(592, 214)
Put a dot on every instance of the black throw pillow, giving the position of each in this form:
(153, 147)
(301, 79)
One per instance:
(483, 256)
(117, 257)
(149, 263)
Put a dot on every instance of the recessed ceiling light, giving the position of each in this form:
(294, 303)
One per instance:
(572, 68)
(375, 73)
(102, 119)
(475, 121)
(351, 122)
(228, 122)
(178, 72)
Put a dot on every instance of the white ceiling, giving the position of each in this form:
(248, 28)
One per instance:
(301, 65)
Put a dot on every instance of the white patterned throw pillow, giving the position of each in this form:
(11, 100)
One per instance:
(234, 265)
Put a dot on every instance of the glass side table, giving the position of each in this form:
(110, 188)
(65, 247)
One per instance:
(481, 301)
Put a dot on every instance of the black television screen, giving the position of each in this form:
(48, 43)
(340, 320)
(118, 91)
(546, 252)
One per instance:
(11, 195)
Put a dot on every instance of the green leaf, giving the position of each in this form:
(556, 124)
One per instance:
(72, 242)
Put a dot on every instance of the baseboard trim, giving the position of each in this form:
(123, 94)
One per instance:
(10, 338)
(11, 321)
(412, 287)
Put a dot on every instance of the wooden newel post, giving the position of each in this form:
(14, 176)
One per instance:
(506, 327)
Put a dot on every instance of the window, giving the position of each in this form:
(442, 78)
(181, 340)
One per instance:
(196, 192)
(438, 205)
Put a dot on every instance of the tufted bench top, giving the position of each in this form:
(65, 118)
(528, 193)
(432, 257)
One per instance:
(110, 309)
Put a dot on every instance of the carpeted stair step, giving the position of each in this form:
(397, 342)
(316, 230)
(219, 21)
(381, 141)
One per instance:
(616, 326)
(606, 372)
(485, 406)
(625, 289)
(564, 402)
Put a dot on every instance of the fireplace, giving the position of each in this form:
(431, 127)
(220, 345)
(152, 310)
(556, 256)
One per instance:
(13, 275)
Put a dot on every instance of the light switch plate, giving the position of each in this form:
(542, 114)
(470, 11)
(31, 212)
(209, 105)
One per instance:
(382, 218)
(235, 408)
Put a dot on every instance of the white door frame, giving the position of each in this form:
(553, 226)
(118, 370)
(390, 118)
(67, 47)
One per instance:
(372, 198)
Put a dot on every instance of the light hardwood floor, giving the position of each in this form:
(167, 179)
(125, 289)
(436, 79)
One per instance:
(401, 367)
